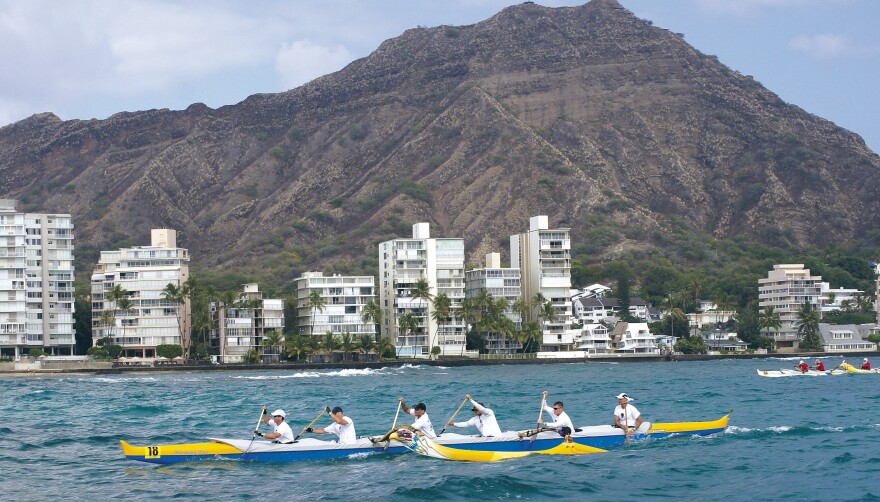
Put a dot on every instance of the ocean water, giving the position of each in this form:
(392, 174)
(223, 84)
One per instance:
(801, 438)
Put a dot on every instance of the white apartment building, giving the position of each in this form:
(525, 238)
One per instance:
(500, 283)
(242, 327)
(36, 282)
(786, 288)
(344, 299)
(543, 256)
(143, 272)
(401, 263)
(708, 313)
(836, 298)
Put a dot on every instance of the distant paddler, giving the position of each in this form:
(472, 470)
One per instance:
(343, 427)
(281, 432)
(484, 420)
(626, 416)
(562, 424)
(423, 422)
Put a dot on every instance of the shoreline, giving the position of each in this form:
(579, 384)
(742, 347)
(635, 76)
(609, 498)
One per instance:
(451, 363)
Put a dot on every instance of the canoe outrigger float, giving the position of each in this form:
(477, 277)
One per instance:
(590, 439)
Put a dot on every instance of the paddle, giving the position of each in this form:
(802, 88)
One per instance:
(325, 410)
(387, 436)
(540, 416)
(453, 415)
(256, 429)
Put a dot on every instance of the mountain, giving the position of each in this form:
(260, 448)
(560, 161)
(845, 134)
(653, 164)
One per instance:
(609, 125)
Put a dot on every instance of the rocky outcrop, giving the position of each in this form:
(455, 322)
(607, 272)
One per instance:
(585, 114)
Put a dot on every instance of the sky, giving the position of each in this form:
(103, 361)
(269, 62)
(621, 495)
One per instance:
(82, 59)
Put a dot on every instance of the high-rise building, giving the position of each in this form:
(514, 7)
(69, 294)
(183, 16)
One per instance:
(36, 282)
(402, 262)
(786, 288)
(142, 273)
(543, 256)
(500, 283)
(244, 326)
(343, 299)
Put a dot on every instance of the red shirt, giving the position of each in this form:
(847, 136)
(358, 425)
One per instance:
(866, 365)
(804, 367)
(820, 366)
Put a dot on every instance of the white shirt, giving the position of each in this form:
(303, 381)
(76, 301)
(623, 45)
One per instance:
(628, 417)
(562, 419)
(486, 423)
(345, 432)
(284, 429)
(423, 424)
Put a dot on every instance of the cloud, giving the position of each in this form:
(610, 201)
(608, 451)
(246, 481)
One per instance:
(822, 47)
(303, 60)
(748, 6)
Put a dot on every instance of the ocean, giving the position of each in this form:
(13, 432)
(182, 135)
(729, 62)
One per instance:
(800, 438)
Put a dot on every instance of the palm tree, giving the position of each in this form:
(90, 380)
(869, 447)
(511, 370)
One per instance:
(372, 313)
(107, 320)
(407, 323)
(115, 294)
(313, 345)
(442, 312)
(295, 345)
(330, 344)
(421, 290)
(769, 319)
(669, 304)
(179, 295)
(316, 303)
(529, 334)
(272, 340)
(383, 346)
(347, 345)
(521, 307)
(125, 306)
(808, 328)
(365, 344)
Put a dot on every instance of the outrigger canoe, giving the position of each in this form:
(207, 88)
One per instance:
(247, 450)
(592, 437)
(792, 373)
(849, 368)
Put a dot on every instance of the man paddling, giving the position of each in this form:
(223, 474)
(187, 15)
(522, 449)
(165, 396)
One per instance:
(343, 427)
(281, 432)
(626, 416)
(866, 365)
(803, 367)
(820, 366)
(484, 420)
(422, 423)
(562, 424)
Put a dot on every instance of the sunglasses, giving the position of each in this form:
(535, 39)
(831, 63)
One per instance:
(555, 408)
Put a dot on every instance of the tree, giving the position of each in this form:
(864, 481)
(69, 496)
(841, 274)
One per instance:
(372, 313)
(691, 345)
(82, 324)
(252, 356)
(442, 312)
(421, 290)
(769, 319)
(623, 294)
(808, 328)
(529, 335)
(435, 351)
(169, 351)
(316, 303)
(748, 327)
(294, 345)
(408, 324)
(273, 340)
(384, 348)
(365, 344)
(179, 295)
(347, 344)
(125, 306)
(330, 344)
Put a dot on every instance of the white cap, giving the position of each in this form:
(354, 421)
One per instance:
(866, 359)
(802, 361)
(623, 395)
(278, 413)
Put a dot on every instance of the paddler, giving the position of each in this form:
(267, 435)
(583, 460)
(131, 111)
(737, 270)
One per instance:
(626, 416)
(483, 419)
(820, 366)
(562, 424)
(803, 367)
(422, 423)
(281, 432)
(343, 427)
(866, 365)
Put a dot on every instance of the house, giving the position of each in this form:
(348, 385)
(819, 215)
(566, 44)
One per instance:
(591, 291)
(593, 310)
(634, 338)
(720, 339)
(846, 337)
(593, 339)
